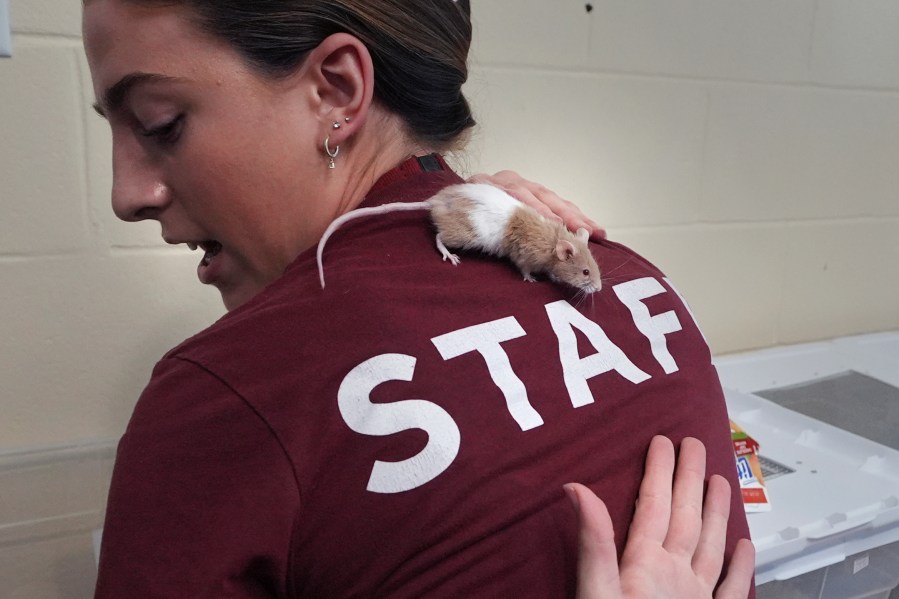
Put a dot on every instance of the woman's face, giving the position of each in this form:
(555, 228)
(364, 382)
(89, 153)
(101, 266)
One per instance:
(222, 157)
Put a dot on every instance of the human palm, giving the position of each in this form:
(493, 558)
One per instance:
(675, 546)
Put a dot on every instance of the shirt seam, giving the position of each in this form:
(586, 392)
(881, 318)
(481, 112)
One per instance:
(290, 586)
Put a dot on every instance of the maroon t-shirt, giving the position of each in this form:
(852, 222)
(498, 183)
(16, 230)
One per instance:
(406, 431)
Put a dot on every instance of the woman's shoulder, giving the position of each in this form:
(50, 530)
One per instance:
(615, 254)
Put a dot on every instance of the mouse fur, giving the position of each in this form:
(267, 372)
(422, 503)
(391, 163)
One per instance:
(476, 216)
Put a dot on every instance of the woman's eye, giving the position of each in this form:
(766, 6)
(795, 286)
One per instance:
(167, 133)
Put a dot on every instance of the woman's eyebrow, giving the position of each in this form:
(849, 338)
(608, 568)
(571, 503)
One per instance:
(115, 96)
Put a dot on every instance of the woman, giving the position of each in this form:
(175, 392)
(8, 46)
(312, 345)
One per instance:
(285, 451)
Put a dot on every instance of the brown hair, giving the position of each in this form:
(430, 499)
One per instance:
(419, 49)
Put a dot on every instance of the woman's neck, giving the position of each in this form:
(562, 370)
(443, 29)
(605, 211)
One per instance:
(381, 146)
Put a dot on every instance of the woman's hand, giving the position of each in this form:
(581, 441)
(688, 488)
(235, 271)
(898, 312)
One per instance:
(543, 200)
(675, 546)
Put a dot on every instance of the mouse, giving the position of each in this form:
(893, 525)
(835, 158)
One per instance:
(478, 216)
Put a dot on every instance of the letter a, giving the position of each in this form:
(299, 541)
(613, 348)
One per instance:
(576, 370)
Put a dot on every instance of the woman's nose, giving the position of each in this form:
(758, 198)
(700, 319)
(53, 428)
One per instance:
(138, 192)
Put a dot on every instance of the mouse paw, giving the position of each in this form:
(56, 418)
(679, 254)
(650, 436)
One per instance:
(453, 258)
(529, 278)
(447, 255)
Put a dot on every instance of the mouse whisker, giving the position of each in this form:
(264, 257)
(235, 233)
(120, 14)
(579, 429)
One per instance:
(611, 281)
(605, 273)
(580, 297)
(592, 303)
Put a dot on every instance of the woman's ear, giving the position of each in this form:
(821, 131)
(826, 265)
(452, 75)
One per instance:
(342, 76)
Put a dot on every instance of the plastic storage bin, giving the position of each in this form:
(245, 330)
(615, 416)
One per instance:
(833, 532)
(868, 575)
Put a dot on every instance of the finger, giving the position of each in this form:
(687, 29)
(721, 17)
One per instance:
(519, 188)
(545, 201)
(653, 512)
(739, 573)
(686, 505)
(528, 195)
(709, 555)
(599, 233)
(597, 556)
(499, 179)
(570, 215)
(503, 179)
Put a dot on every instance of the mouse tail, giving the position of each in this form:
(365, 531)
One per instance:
(359, 213)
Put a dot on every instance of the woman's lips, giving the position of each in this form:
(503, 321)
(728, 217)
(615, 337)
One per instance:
(207, 270)
(211, 249)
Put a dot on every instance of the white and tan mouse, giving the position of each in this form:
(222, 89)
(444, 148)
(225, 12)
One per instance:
(476, 216)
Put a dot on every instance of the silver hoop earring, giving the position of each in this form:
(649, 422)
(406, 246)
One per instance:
(331, 155)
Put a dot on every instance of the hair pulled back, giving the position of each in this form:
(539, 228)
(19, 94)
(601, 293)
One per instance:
(419, 49)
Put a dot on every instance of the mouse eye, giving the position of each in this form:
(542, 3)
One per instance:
(586, 273)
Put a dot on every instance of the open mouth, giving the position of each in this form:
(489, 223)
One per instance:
(210, 248)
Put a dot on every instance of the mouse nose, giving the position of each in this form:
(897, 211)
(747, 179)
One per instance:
(138, 192)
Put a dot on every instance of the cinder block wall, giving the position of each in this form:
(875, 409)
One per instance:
(88, 304)
(749, 148)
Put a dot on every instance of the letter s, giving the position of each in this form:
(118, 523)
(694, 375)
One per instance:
(382, 419)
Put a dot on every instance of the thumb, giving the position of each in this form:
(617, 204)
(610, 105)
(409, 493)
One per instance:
(597, 570)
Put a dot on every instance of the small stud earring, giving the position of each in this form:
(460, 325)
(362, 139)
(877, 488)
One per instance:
(336, 125)
(347, 119)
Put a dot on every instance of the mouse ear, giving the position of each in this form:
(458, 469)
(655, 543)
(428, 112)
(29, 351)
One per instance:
(582, 234)
(565, 249)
